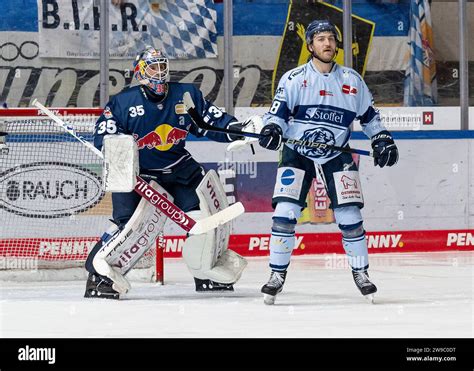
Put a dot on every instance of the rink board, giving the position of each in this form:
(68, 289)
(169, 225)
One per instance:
(424, 203)
(258, 244)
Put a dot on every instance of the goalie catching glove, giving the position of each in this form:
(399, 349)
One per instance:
(253, 124)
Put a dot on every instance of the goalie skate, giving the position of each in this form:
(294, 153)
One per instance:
(100, 287)
(367, 288)
(273, 287)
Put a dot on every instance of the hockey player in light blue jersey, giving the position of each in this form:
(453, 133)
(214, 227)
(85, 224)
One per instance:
(318, 102)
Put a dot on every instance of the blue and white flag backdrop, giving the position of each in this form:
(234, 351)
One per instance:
(183, 28)
(420, 76)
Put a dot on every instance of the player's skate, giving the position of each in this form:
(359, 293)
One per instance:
(273, 287)
(100, 287)
(367, 288)
(208, 285)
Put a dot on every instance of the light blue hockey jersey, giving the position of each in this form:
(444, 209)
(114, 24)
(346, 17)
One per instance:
(320, 107)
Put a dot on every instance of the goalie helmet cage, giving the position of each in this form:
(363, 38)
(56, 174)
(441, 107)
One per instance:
(52, 205)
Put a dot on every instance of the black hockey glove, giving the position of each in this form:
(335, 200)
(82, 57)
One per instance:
(273, 137)
(385, 150)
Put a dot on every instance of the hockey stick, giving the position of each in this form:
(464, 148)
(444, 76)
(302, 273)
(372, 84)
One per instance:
(154, 197)
(199, 121)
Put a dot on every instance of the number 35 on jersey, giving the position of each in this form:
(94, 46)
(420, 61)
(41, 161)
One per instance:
(108, 126)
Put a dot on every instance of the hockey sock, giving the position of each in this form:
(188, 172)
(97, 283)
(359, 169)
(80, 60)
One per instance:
(282, 242)
(350, 223)
(355, 246)
(356, 251)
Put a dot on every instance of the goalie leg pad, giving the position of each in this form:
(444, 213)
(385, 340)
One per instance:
(123, 250)
(206, 260)
(119, 282)
(100, 285)
(206, 255)
(111, 231)
(198, 252)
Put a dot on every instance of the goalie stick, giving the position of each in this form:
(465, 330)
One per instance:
(201, 124)
(154, 197)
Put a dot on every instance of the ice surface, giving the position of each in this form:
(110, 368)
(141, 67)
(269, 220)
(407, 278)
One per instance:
(420, 295)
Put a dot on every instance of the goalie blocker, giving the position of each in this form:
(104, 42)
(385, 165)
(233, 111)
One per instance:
(212, 264)
(121, 165)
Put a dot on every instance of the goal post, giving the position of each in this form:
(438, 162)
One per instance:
(52, 205)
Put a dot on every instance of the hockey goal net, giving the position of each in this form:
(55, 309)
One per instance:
(52, 206)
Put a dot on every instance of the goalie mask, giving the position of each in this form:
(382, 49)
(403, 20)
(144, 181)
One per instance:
(151, 69)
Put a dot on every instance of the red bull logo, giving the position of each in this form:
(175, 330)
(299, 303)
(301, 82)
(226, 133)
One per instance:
(162, 138)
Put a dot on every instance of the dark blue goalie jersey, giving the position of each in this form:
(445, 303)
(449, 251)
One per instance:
(160, 129)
